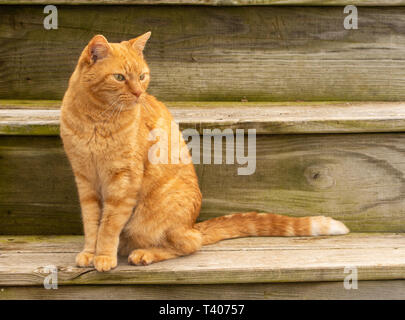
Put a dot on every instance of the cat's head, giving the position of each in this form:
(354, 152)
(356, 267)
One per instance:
(114, 73)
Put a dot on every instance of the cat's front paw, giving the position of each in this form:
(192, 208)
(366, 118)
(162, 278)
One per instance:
(105, 263)
(84, 259)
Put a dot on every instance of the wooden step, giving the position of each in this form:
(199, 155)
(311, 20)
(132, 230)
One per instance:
(42, 117)
(249, 268)
(216, 53)
(354, 177)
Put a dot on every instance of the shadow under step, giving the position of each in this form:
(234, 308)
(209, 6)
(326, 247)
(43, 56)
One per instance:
(216, 2)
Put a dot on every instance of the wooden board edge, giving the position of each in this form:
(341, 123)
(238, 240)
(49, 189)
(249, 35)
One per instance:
(89, 276)
(374, 290)
(262, 128)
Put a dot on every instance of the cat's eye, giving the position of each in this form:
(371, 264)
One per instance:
(119, 77)
(142, 77)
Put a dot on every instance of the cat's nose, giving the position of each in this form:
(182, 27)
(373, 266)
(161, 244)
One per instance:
(135, 89)
(137, 92)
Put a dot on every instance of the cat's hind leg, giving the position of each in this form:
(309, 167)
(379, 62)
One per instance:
(144, 257)
(179, 242)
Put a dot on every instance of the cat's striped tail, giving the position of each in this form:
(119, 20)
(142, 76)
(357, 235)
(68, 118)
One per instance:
(267, 224)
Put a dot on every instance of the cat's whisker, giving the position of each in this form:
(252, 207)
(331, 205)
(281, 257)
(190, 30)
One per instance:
(109, 107)
(114, 110)
(114, 114)
(112, 105)
(119, 112)
(147, 107)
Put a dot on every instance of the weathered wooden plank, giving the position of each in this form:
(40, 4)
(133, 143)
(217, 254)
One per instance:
(73, 244)
(367, 290)
(215, 53)
(214, 2)
(215, 267)
(265, 117)
(38, 192)
(357, 178)
(30, 104)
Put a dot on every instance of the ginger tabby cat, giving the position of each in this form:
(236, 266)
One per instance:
(129, 205)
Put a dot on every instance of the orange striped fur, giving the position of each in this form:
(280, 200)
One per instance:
(129, 205)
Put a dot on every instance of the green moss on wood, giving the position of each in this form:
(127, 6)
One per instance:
(30, 104)
(30, 130)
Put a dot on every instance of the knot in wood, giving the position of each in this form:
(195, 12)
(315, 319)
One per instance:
(319, 177)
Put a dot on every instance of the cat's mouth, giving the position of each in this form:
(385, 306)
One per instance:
(133, 100)
(136, 92)
(138, 99)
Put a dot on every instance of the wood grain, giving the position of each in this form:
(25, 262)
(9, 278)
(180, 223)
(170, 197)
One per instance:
(73, 243)
(215, 53)
(30, 104)
(38, 192)
(264, 117)
(367, 290)
(357, 178)
(250, 265)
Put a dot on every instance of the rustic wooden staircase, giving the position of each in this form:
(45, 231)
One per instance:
(327, 107)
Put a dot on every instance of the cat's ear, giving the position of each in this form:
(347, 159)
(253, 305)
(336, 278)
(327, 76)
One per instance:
(140, 42)
(98, 48)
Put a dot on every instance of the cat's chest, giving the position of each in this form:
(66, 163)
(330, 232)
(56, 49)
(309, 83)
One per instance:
(102, 144)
